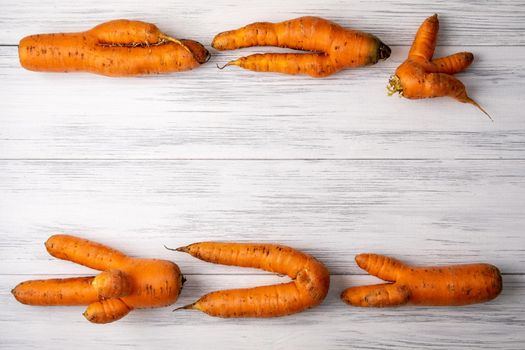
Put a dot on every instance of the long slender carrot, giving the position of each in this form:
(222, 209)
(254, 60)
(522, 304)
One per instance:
(421, 76)
(440, 285)
(332, 47)
(308, 288)
(125, 284)
(115, 48)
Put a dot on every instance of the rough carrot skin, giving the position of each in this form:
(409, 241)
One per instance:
(81, 251)
(421, 76)
(436, 286)
(333, 47)
(73, 291)
(112, 284)
(123, 31)
(136, 283)
(115, 48)
(106, 311)
(66, 291)
(426, 38)
(454, 63)
(308, 288)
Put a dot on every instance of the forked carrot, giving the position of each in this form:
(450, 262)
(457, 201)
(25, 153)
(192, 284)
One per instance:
(125, 284)
(332, 47)
(115, 48)
(436, 285)
(421, 76)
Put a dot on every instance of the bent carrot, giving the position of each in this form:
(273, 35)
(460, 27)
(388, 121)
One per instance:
(125, 284)
(308, 288)
(115, 48)
(440, 286)
(421, 76)
(333, 47)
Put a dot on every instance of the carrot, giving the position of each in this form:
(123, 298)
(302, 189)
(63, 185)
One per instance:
(332, 47)
(440, 286)
(112, 284)
(308, 288)
(125, 284)
(421, 76)
(115, 48)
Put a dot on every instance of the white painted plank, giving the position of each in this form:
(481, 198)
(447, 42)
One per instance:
(333, 325)
(462, 23)
(233, 113)
(425, 212)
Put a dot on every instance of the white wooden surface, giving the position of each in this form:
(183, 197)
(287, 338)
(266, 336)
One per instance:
(331, 166)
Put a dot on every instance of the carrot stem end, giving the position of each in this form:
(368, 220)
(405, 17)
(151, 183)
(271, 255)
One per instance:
(394, 85)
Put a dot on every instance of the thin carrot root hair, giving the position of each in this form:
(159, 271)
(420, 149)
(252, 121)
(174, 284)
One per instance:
(231, 63)
(472, 102)
(174, 40)
(185, 307)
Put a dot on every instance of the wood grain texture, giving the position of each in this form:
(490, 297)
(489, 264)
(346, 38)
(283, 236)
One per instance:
(426, 212)
(234, 113)
(332, 166)
(497, 324)
(474, 22)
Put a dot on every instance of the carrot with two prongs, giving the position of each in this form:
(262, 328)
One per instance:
(421, 76)
(308, 288)
(332, 47)
(115, 48)
(439, 286)
(125, 284)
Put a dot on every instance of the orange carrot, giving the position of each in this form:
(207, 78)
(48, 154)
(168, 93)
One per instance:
(420, 76)
(308, 288)
(106, 310)
(112, 284)
(333, 47)
(440, 286)
(115, 48)
(125, 284)
(66, 291)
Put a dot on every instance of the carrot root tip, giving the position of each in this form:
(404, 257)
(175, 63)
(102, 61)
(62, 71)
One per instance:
(208, 56)
(185, 307)
(179, 249)
(394, 85)
(231, 63)
(472, 102)
(222, 67)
